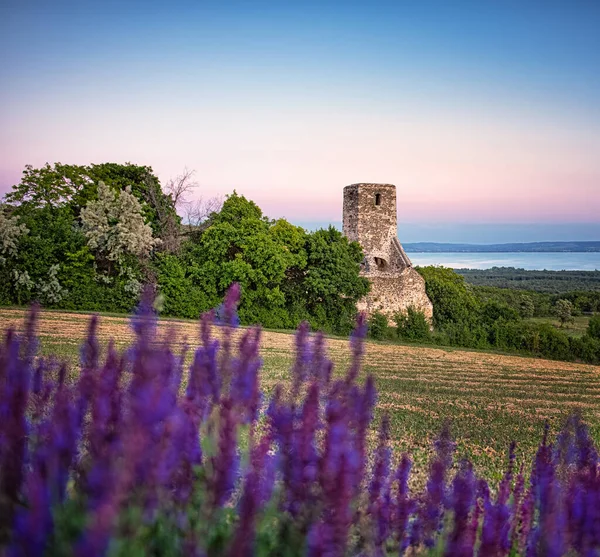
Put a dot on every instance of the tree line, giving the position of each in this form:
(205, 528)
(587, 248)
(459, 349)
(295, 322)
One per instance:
(551, 282)
(490, 318)
(89, 237)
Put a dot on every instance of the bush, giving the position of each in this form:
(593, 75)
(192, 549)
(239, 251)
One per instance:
(585, 348)
(126, 462)
(453, 301)
(593, 329)
(180, 296)
(412, 325)
(378, 326)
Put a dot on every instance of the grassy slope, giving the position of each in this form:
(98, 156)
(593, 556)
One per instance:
(490, 398)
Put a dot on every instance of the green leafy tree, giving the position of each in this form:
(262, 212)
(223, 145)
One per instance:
(493, 311)
(180, 296)
(331, 285)
(241, 245)
(593, 329)
(37, 269)
(452, 300)
(73, 186)
(52, 186)
(564, 311)
(527, 308)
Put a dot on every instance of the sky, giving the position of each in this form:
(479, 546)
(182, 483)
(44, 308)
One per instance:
(485, 115)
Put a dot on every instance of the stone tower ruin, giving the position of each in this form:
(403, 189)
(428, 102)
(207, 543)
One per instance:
(370, 219)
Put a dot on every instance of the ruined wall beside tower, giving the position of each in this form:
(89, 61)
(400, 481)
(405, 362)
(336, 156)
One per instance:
(370, 219)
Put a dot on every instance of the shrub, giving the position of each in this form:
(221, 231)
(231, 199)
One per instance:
(593, 329)
(378, 326)
(412, 325)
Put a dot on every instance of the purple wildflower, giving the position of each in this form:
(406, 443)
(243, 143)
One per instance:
(462, 537)
(497, 519)
(225, 464)
(33, 524)
(255, 493)
(357, 347)
(381, 466)
(245, 391)
(303, 358)
(404, 504)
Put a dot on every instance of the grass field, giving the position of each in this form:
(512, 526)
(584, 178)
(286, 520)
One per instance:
(576, 328)
(490, 399)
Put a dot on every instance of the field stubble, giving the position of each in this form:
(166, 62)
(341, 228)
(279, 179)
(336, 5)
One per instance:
(490, 399)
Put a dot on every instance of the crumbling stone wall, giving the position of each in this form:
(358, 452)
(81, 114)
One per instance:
(370, 219)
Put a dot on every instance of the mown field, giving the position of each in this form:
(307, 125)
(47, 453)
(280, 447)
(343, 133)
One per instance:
(490, 399)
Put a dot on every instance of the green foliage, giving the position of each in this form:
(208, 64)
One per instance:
(564, 311)
(53, 186)
(286, 275)
(180, 296)
(593, 330)
(331, 285)
(452, 300)
(549, 282)
(62, 185)
(237, 208)
(527, 307)
(245, 250)
(377, 326)
(412, 325)
(488, 317)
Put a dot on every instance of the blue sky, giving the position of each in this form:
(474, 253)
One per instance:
(482, 113)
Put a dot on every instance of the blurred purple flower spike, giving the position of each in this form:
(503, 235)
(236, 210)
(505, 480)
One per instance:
(144, 318)
(303, 357)
(357, 346)
(226, 313)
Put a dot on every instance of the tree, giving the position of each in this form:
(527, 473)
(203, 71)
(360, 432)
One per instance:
(527, 308)
(593, 329)
(564, 311)
(241, 245)
(494, 310)
(452, 300)
(10, 232)
(52, 186)
(114, 226)
(74, 186)
(37, 269)
(332, 285)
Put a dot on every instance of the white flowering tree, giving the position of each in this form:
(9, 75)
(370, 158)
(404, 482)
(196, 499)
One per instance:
(114, 226)
(10, 232)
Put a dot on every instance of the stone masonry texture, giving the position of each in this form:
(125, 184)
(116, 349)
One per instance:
(370, 219)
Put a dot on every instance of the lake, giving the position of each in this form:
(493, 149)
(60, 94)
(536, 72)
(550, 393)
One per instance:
(561, 261)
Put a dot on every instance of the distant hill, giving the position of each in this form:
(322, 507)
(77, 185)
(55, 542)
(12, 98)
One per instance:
(434, 247)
